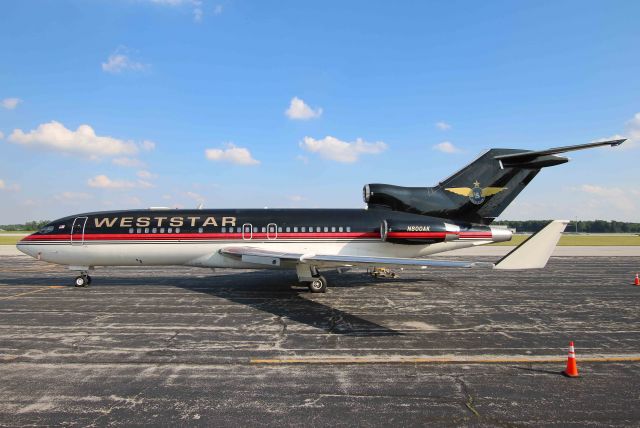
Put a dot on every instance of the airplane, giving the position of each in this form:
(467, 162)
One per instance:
(399, 227)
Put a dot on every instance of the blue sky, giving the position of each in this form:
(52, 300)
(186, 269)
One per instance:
(134, 103)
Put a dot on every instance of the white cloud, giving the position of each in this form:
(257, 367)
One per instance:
(148, 145)
(443, 126)
(195, 196)
(303, 159)
(120, 61)
(341, 151)
(298, 110)
(196, 4)
(232, 154)
(83, 141)
(73, 196)
(11, 103)
(633, 132)
(446, 147)
(104, 182)
(1, 135)
(623, 200)
(128, 162)
(295, 198)
(197, 11)
(217, 9)
(9, 187)
(146, 175)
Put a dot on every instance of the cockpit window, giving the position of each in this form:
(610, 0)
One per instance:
(46, 229)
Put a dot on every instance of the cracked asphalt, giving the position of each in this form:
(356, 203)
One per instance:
(176, 346)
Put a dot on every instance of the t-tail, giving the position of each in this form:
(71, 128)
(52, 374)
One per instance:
(479, 192)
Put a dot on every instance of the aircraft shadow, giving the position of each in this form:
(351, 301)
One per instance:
(278, 293)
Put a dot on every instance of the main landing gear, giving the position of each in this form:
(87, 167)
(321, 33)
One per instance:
(83, 280)
(318, 284)
(309, 274)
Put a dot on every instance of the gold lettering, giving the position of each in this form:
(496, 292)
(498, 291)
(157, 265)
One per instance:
(193, 220)
(126, 221)
(159, 220)
(228, 221)
(143, 221)
(210, 221)
(109, 222)
(176, 221)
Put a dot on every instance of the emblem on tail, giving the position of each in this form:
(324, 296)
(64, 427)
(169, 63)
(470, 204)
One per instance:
(475, 194)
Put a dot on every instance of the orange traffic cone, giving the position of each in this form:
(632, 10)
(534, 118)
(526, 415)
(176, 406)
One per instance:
(572, 367)
(636, 281)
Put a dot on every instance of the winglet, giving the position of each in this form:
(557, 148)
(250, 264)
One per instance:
(535, 251)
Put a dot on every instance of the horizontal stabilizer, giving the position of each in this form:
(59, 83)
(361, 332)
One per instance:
(528, 156)
(535, 251)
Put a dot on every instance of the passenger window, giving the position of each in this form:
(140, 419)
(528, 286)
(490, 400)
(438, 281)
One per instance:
(340, 229)
(295, 229)
(272, 229)
(288, 229)
(177, 230)
(264, 229)
(224, 230)
(131, 230)
(146, 230)
(169, 230)
(318, 229)
(302, 229)
(162, 230)
(333, 229)
(199, 230)
(154, 230)
(238, 229)
(138, 230)
(348, 228)
(279, 229)
(326, 229)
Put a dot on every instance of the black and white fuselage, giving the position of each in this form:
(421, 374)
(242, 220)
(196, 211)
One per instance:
(195, 237)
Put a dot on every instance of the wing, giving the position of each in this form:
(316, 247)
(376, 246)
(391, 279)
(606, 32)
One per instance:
(531, 254)
(462, 191)
(276, 258)
(488, 191)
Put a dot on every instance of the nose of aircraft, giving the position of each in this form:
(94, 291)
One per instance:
(23, 246)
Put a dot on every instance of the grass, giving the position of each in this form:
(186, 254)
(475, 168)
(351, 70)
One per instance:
(585, 240)
(9, 240)
(26, 232)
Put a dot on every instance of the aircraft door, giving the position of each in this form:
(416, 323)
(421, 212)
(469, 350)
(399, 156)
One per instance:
(247, 231)
(272, 231)
(77, 231)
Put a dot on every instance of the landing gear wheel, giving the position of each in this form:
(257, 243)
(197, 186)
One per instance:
(81, 281)
(318, 285)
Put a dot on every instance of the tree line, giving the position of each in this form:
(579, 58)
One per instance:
(587, 226)
(30, 225)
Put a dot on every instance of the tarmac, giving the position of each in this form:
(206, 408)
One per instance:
(176, 346)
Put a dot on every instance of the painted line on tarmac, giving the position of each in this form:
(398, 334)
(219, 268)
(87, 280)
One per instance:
(31, 292)
(446, 360)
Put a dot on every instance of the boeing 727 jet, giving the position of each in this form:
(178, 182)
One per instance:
(400, 226)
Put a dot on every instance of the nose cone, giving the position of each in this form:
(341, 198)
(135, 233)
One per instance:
(24, 246)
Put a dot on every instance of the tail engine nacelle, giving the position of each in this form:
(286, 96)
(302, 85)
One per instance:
(418, 233)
